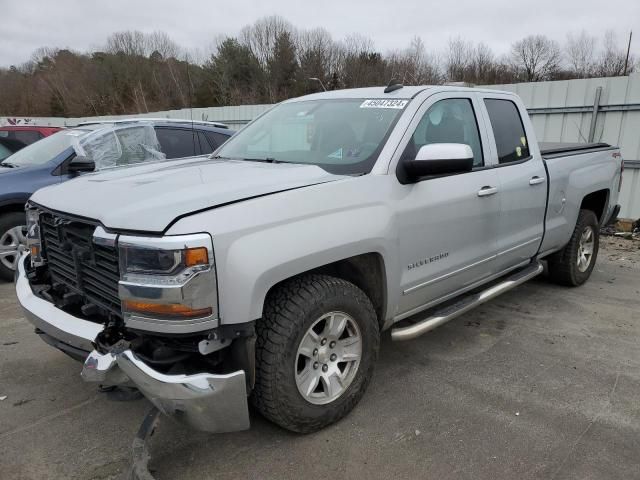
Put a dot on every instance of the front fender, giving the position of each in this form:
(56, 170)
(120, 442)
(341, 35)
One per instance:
(255, 263)
(263, 241)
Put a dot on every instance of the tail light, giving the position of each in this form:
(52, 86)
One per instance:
(618, 155)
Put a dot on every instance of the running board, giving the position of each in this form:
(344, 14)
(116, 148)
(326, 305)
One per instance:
(465, 304)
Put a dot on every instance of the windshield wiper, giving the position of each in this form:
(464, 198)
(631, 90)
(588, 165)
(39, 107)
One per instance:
(8, 165)
(263, 160)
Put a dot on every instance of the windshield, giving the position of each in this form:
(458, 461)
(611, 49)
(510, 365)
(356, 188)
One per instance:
(341, 136)
(4, 152)
(107, 146)
(44, 150)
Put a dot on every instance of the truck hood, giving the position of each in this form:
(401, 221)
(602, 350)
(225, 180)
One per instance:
(150, 197)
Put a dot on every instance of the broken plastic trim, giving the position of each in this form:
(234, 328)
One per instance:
(139, 468)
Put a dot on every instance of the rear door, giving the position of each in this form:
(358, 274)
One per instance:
(523, 180)
(447, 225)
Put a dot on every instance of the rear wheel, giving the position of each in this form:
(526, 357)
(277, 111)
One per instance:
(13, 234)
(316, 349)
(573, 264)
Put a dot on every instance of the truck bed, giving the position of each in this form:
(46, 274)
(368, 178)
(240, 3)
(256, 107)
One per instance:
(563, 149)
(575, 170)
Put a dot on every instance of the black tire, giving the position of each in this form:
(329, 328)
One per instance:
(563, 265)
(290, 311)
(7, 222)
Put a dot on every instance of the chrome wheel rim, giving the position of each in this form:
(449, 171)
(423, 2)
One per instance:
(585, 249)
(328, 358)
(10, 242)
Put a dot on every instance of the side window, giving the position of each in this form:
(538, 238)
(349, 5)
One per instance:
(448, 121)
(26, 136)
(217, 139)
(205, 145)
(177, 142)
(508, 130)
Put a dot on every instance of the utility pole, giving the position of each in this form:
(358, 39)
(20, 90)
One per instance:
(626, 60)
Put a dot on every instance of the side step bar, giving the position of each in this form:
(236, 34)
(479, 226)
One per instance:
(465, 304)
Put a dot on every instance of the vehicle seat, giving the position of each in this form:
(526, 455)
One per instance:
(449, 130)
(335, 135)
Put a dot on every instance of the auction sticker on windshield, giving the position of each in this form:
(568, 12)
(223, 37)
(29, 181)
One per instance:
(384, 103)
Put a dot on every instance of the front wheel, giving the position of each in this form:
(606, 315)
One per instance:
(13, 234)
(573, 264)
(317, 345)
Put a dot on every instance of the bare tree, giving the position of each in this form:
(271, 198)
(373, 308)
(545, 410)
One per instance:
(161, 43)
(537, 57)
(315, 50)
(271, 60)
(413, 65)
(612, 58)
(482, 65)
(262, 36)
(360, 64)
(131, 43)
(580, 54)
(458, 59)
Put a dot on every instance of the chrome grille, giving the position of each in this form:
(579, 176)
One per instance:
(80, 265)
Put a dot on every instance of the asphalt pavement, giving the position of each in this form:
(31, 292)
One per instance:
(541, 383)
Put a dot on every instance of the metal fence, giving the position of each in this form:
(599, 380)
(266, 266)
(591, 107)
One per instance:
(591, 110)
(586, 110)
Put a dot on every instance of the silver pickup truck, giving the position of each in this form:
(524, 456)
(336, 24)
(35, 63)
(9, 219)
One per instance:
(267, 271)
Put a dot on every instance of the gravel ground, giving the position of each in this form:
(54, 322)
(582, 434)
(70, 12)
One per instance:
(543, 382)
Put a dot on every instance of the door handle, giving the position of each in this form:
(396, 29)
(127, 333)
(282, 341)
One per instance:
(486, 191)
(536, 180)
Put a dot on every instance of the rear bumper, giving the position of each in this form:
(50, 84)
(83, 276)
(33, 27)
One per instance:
(205, 401)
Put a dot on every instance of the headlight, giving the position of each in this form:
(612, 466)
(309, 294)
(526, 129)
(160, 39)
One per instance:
(34, 243)
(161, 266)
(168, 284)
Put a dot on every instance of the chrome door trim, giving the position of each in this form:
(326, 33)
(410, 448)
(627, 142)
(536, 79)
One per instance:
(447, 275)
(451, 295)
(528, 242)
(460, 270)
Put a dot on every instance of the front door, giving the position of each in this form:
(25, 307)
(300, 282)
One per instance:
(447, 225)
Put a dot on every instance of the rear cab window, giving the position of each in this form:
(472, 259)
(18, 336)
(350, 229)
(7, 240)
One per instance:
(508, 130)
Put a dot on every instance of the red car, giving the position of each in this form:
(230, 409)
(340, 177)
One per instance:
(26, 134)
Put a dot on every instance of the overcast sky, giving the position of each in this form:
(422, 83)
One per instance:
(84, 25)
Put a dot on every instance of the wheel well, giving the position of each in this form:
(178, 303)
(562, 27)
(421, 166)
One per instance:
(12, 207)
(365, 271)
(596, 202)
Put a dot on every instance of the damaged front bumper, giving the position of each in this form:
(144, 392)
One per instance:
(205, 401)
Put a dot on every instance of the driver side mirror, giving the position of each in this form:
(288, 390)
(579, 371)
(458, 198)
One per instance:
(80, 165)
(440, 159)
